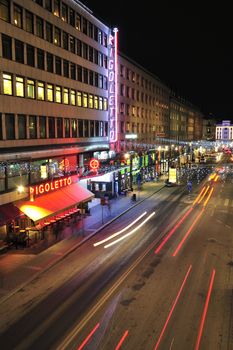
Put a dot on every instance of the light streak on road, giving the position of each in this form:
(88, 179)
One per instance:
(173, 307)
(188, 233)
(119, 232)
(122, 340)
(198, 197)
(216, 179)
(205, 311)
(208, 198)
(88, 337)
(130, 232)
(172, 231)
(203, 194)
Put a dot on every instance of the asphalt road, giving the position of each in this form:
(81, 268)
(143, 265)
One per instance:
(136, 294)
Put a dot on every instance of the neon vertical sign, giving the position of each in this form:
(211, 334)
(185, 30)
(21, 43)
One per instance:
(112, 78)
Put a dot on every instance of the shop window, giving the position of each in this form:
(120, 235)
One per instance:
(78, 22)
(73, 71)
(10, 126)
(5, 10)
(2, 177)
(19, 86)
(51, 127)
(79, 98)
(30, 56)
(74, 127)
(80, 128)
(7, 84)
(64, 12)
(65, 40)
(6, 47)
(42, 127)
(72, 44)
(50, 92)
(86, 128)
(90, 101)
(57, 8)
(79, 48)
(67, 127)
(101, 103)
(66, 68)
(57, 37)
(58, 94)
(66, 96)
(39, 27)
(29, 22)
(72, 17)
(32, 127)
(30, 88)
(17, 15)
(40, 59)
(48, 5)
(85, 100)
(40, 91)
(58, 65)
(19, 51)
(59, 127)
(49, 62)
(72, 97)
(22, 126)
(17, 174)
(96, 102)
(49, 32)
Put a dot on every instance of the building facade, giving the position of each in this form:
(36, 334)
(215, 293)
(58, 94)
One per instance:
(224, 131)
(209, 129)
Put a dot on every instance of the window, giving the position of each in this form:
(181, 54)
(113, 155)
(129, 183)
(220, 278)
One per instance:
(91, 54)
(73, 97)
(57, 8)
(91, 77)
(49, 32)
(85, 75)
(57, 37)
(80, 74)
(30, 88)
(80, 128)
(32, 127)
(97, 128)
(101, 103)
(85, 51)
(30, 56)
(92, 128)
(95, 33)
(90, 30)
(40, 91)
(50, 92)
(58, 65)
(100, 81)
(73, 128)
(72, 17)
(96, 56)
(58, 94)
(86, 128)
(42, 127)
(78, 22)
(10, 126)
(66, 68)
(39, 27)
(0, 139)
(39, 2)
(29, 22)
(7, 84)
(101, 131)
(17, 15)
(51, 127)
(79, 48)
(84, 99)
(96, 102)
(105, 61)
(73, 71)
(22, 126)
(64, 12)
(48, 5)
(105, 128)
(105, 86)
(105, 104)
(96, 79)
(19, 86)
(105, 43)
(5, 10)
(66, 96)
(84, 26)
(65, 40)
(59, 127)
(90, 101)
(72, 44)
(67, 127)
(6, 47)
(40, 59)
(19, 51)
(100, 36)
(79, 98)
(49, 62)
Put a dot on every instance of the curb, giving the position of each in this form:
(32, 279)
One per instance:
(60, 258)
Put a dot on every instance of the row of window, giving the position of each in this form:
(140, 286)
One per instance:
(22, 127)
(69, 15)
(140, 128)
(29, 88)
(48, 62)
(55, 35)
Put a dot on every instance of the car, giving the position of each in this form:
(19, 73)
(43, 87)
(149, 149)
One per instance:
(169, 183)
(194, 166)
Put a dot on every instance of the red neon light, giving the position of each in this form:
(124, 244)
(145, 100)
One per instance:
(94, 164)
(188, 233)
(172, 309)
(205, 310)
(50, 186)
(88, 337)
(122, 340)
(172, 231)
(116, 82)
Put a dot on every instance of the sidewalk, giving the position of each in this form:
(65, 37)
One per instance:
(17, 267)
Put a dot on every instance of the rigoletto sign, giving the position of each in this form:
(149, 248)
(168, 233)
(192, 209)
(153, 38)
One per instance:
(49, 187)
(112, 79)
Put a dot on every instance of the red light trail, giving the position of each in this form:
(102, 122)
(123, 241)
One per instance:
(88, 337)
(122, 340)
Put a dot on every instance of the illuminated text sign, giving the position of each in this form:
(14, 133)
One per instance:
(49, 186)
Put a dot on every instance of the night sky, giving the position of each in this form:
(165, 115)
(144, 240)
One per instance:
(188, 47)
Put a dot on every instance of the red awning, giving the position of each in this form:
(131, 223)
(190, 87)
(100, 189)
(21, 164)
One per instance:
(8, 212)
(54, 202)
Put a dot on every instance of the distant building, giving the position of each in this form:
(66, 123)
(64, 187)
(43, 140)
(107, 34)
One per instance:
(224, 131)
(209, 125)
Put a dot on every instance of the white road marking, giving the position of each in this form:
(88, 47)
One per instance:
(171, 344)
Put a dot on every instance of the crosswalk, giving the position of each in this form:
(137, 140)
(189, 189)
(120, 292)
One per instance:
(223, 203)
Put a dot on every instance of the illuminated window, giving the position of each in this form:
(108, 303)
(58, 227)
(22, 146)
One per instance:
(5, 10)
(105, 104)
(74, 128)
(84, 100)
(30, 88)
(64, 12)
(40, 91)
(50, 92)
(32, 127)
(96, 102)
(79, 99)
(57, 8)
(57, 37)
(17, 16)
(58, 94)
(72, 97)
(7, 84)
(78, 22)
(66, 96)
(90, 101)
(19, 87)
(67, 127)
(101, 103)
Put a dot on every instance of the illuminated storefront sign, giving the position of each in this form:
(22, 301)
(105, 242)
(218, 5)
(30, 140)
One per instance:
(112, 79)
(172, 175)
(94, 164)
(49, 186)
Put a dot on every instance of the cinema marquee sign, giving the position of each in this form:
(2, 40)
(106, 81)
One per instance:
(112, 80)
(49, 186)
